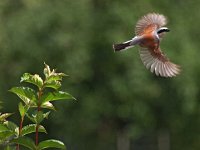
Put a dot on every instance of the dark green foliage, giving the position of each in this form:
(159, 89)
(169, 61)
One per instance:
(115, 92)
(30, 107)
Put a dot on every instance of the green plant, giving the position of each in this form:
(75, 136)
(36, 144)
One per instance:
(35, 105)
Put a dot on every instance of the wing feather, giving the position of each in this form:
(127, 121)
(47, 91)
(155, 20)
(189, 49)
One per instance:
(158, 63)
(150, 22)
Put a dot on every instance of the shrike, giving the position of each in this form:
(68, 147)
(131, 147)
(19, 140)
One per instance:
(149, 30)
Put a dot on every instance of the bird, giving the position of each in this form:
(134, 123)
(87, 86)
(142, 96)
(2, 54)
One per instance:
(149, 31)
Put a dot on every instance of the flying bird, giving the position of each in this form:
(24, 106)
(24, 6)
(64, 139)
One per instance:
(149, 31)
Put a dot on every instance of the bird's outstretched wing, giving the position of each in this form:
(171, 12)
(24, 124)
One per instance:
(150, 22)
(158, 63)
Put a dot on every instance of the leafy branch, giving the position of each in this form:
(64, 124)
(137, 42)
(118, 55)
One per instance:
(35, 105)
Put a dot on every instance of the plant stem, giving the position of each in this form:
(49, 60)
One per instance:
(38, 109)
(21, 125)
(36, 135)
(20, 130)
(17, 147)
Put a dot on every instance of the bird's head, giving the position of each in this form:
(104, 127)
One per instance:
(162, 30)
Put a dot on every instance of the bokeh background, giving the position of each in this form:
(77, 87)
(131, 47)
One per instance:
(121, 105)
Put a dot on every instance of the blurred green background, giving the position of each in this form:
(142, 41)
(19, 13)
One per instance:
(121, 105)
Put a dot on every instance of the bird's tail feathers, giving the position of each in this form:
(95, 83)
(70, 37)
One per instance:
(122, 46)
(127, 44)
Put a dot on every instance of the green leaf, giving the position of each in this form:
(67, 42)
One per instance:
(10, 125)
(52, 75)
(53, 84)
(47, 70)
(4, 116)
(26, 94)
(31, 118)
(38, 117)
(21, 109)
(27, 142)
(55, 77)
(46, 115)
(34, 79)
(48, 105)
(3, 128)
(58, 95)
(51, 144)
(6, 134)
(52, 78)
(32, 128)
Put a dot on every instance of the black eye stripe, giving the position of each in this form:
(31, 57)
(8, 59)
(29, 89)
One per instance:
(163, 30)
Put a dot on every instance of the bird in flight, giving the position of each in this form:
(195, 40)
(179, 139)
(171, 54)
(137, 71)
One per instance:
(149, 30)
